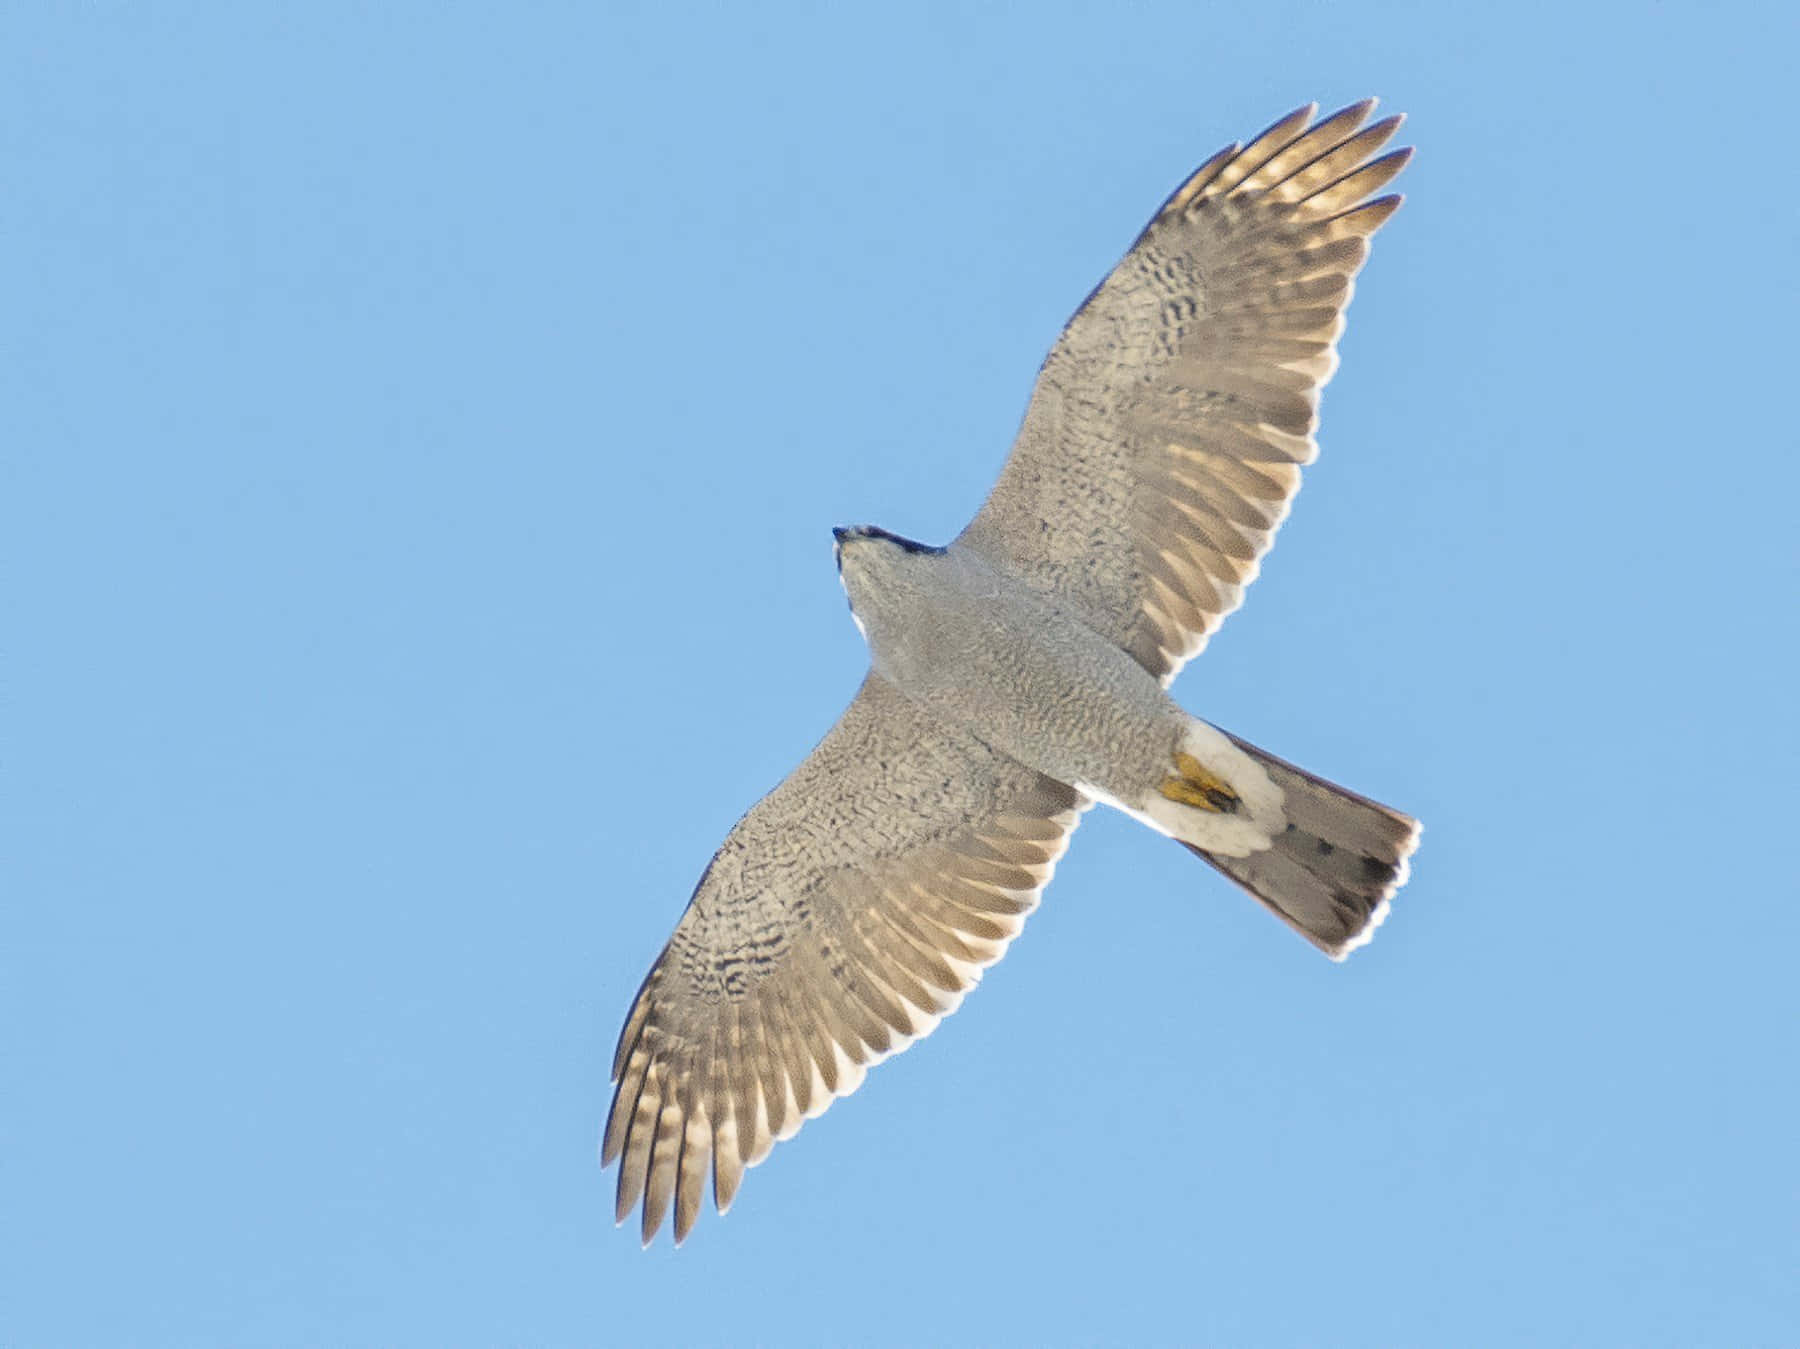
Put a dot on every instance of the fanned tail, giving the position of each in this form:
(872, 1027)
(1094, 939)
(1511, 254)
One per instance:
(1330, 874)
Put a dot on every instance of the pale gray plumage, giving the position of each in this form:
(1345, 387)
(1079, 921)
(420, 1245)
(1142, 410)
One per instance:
(1163, 443)
(1018, 677)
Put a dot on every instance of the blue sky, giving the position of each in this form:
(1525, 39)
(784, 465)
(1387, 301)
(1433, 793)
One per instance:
(424, 425)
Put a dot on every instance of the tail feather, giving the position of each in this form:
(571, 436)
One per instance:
(1330, 874)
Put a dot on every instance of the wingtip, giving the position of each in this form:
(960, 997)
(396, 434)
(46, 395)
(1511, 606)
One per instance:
(1380, 131)
(652, 1224)
(1287, 124)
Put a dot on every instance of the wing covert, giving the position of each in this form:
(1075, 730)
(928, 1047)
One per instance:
(1165, 435)
(841, 920)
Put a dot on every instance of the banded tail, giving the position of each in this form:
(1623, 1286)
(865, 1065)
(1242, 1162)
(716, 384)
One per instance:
(1330, 874)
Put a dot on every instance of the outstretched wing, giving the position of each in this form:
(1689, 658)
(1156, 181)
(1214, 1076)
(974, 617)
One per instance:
(1164, 439)
(844, 916)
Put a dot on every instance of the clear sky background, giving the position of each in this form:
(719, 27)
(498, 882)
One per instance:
(422, 431)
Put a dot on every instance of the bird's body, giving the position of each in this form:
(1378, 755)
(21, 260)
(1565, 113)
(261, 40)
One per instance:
(1018, 676)
(978, 648)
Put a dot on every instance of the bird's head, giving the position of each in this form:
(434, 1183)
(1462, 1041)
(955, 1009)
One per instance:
(877, 569)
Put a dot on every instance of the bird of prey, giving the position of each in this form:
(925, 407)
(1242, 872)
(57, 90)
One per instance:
(1018, 675)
